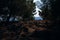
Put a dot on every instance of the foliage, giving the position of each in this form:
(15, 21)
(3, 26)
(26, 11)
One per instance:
(50, 10)
(46, 13)
(21, 8)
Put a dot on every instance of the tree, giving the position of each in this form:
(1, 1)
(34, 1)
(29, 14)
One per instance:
(46, 10)
(21, 8)
(51, 11)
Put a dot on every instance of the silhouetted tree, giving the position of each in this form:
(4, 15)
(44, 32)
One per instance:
(15, 8)
(51, 11)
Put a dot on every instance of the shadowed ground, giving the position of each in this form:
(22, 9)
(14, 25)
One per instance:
(28, 30)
